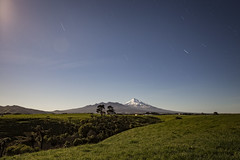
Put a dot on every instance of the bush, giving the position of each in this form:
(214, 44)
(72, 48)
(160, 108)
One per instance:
(178, 117)
(67, 144)
(79, 141)
(85, 128)
(36, 149)
(19, 149)
(52, 140)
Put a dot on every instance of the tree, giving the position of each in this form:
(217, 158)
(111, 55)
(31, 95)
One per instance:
(100, 109)
(110, 110)
(40, 133)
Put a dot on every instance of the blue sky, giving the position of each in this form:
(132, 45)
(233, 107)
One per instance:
(178, 54)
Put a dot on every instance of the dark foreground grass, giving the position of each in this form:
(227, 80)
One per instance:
(193, 137)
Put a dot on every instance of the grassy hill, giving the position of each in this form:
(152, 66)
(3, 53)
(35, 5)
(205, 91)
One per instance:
(19, 110)
(192, 137)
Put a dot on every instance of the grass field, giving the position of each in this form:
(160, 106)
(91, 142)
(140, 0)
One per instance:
(192, 137)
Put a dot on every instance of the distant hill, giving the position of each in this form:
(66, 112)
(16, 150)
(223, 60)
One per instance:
(19, 110)
(131, 107)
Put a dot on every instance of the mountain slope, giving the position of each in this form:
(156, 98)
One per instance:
(18, 109)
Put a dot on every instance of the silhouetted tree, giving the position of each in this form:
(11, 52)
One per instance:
(110, 110)
(215, 113)
(100, 109)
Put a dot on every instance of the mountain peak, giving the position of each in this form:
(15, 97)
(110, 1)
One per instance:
(137, 103)
(133, 101)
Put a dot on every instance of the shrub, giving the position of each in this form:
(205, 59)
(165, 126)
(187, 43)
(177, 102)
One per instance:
(52, 140)
(85, 128)
(67, 144)
(26, 149)
(79, 141)
(36, 149)
(178, 117)
(19, 149)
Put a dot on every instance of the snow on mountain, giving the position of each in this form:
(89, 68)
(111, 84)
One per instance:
(138, 104)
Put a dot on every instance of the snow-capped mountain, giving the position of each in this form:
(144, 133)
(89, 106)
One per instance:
(138, 104)
(131, 107)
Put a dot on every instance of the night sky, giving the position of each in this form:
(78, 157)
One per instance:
(179, 55)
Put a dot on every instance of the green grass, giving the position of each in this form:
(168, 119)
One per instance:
(193, 137)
